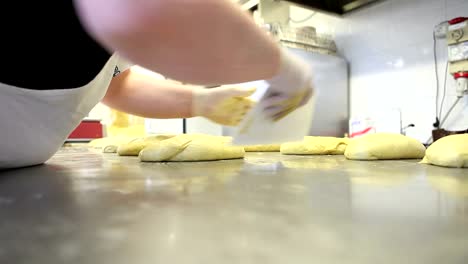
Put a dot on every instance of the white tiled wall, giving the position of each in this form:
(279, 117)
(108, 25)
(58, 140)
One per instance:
(389, 46)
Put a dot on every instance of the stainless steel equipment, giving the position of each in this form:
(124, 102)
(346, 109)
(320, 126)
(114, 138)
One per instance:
(330, 71)
(456, 33)
(331, 112)
(457, 40)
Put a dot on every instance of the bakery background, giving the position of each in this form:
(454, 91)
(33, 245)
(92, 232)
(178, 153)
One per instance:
(384, 53)
(86, 206)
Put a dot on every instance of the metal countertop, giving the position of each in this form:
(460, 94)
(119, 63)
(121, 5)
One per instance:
(88, 207)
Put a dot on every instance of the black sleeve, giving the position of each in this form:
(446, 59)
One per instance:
(44, 46)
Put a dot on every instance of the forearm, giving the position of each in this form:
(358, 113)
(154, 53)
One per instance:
(194, 41)
(143, 94)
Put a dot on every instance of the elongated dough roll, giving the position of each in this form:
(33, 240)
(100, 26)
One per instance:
(134, 147)
(262, 148)
(316, 146)
(187, 148)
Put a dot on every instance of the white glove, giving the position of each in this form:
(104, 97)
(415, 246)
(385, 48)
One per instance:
(290, 89)
(226, 105)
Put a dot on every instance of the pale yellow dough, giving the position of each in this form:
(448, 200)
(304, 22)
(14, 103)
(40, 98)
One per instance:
(134, 147)
(100, 143)
(262, 148)
(192, 148)
(384, 146)
(450, 151)
(316, 146)
(110, 144)
(110, 149)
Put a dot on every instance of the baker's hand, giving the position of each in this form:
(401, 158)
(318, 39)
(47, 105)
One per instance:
(225, 105)
(290, 89)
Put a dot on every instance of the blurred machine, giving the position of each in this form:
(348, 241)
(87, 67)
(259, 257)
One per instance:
(457, 41)
(331, 113)
(330, 70)
(455, 32)
(337, 7)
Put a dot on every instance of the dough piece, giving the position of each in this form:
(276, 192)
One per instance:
(134, 147)
(450, 151)
(384, 146)
(164, 150)
(192, 148)
(262, 148)
(110, 149)
(316, 146)
(110, 144)
(100, 143)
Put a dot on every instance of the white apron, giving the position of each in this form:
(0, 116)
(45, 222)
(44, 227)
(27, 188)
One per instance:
(35, 123)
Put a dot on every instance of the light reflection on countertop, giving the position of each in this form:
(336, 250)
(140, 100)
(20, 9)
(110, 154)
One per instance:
(86, 207)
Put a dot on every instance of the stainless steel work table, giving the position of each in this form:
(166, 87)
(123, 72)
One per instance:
(88, 207)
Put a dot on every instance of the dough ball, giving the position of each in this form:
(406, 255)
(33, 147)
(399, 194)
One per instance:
(192, 148)
(262, 148)
(316, 146)
(134, 147)
(450, 151)
(384, 146)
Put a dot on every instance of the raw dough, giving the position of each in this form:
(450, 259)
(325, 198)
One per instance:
(110, 144)
(100, 143)
(450, 151)
(192, 148)
(316, 146)
(384, 146)
(262, 148)
(134, 147)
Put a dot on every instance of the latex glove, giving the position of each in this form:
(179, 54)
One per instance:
(225, 105)
(290, 89)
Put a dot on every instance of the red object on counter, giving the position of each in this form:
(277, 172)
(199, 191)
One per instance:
(461, 75)
(360, 133)
(457, 20)
(86, 130)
